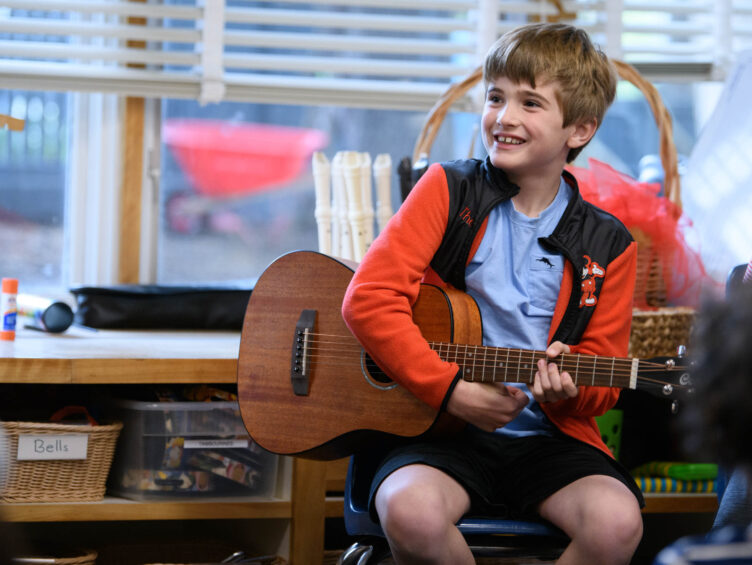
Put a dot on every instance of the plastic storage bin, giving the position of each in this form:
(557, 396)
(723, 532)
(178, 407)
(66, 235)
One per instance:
(188, 449)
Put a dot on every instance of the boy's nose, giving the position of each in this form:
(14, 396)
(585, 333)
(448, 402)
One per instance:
(505, 116)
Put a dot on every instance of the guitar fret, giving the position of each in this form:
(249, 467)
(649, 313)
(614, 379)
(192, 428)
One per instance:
(531, 365)
(577, 370)
(483, 375)
(496, 356)
(595, 362)
(506, 368)
(613, 361)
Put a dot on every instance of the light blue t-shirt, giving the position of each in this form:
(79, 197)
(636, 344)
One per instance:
(516, 282)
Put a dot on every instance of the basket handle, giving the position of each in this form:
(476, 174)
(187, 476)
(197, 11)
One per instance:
(666, 146)
(66, 411)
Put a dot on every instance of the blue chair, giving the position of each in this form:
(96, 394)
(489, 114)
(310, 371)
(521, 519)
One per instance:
(486, 536)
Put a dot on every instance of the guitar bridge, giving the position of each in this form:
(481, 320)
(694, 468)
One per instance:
(301, 353)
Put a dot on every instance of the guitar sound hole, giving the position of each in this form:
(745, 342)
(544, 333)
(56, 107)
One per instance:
(373, 374)
(375, 371)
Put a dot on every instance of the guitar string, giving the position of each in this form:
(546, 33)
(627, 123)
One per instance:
(568, 363)
(601, 379)
(351, 346)
(585, 361)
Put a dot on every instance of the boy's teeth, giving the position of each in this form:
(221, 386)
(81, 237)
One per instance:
(510, 140)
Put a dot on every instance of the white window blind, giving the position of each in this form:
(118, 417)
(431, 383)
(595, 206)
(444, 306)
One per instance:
(367, 53)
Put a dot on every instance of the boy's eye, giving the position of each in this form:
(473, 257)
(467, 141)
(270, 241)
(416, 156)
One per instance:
(495, 98)
(532, 103)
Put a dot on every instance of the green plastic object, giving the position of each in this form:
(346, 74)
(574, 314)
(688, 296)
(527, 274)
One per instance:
(677, 470)
(610, 426)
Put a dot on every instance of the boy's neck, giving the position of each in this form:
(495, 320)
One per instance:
(536, 195)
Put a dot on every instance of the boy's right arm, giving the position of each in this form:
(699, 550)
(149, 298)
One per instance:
(378, 303)
(378, 310)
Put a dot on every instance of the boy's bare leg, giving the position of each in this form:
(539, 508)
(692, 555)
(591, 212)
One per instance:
(418, 506)
(602, 518)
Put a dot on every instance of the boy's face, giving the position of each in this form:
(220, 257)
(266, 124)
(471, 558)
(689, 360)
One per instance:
(523, 131)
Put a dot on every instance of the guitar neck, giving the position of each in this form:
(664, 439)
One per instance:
(501, 364)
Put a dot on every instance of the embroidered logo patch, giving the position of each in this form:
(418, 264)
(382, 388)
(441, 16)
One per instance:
(590, 272)
(546, 261)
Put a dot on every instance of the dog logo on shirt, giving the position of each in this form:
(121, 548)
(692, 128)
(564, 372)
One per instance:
(590, 272)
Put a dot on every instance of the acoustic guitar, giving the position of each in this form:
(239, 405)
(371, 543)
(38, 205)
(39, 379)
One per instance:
(307, 388)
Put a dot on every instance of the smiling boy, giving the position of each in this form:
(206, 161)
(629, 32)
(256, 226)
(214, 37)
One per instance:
(548, 272)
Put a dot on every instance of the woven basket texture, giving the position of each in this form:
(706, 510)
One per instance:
(59, 480)
(660, 333)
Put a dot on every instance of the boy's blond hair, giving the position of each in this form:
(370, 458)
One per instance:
(585, 78)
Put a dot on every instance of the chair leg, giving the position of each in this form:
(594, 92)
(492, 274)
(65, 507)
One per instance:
(369, 551)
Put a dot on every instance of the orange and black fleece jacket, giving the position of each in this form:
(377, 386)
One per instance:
(433, 236)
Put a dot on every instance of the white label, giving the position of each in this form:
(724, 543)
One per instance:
(48, 447)
(221, 443)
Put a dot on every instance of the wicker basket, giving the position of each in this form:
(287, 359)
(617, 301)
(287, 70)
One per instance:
(81, 480)
(87, 557)
(659, 330)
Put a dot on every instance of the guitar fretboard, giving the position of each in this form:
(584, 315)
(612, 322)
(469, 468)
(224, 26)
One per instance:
(501, 364)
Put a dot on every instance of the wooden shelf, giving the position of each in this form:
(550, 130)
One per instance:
(118, 509)
(84, 356)
(680, 503)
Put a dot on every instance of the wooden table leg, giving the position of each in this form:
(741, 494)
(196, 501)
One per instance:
(308, 512)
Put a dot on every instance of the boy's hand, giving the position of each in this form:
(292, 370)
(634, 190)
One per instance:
(549, 384)
(486, 406)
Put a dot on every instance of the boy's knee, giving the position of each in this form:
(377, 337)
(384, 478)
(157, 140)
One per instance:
(413, 523)
(625, 526)
(614, 532)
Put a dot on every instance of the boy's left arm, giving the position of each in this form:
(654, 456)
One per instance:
(607, 334)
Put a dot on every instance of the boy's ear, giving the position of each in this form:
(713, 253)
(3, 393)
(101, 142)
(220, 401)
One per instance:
(582, 133)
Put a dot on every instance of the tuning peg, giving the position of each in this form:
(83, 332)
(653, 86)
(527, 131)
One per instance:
(681, 351)
(674, 406)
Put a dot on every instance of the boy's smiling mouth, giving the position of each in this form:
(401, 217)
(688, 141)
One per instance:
(508, 140)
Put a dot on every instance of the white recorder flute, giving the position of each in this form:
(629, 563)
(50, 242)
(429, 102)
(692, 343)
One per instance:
(342, 241)
(351, 167)
(382, 171)
(323, 212)
(366, 183)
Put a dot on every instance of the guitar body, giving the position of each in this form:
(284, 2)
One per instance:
(345, 405)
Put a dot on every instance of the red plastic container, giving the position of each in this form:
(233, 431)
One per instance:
(231, 159)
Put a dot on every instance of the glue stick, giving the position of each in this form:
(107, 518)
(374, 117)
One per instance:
(8, 309)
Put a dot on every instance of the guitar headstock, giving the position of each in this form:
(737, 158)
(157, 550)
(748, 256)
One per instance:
(666, 377)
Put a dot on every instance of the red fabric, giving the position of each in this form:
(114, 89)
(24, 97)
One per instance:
(649, 217)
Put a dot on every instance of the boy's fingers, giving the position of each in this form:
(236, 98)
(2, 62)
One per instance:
(570, 389)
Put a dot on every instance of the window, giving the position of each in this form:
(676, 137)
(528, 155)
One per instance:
(231, 226)
(362, 72)
(32, 188)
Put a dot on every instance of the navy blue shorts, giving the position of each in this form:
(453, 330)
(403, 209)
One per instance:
(507, 477)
